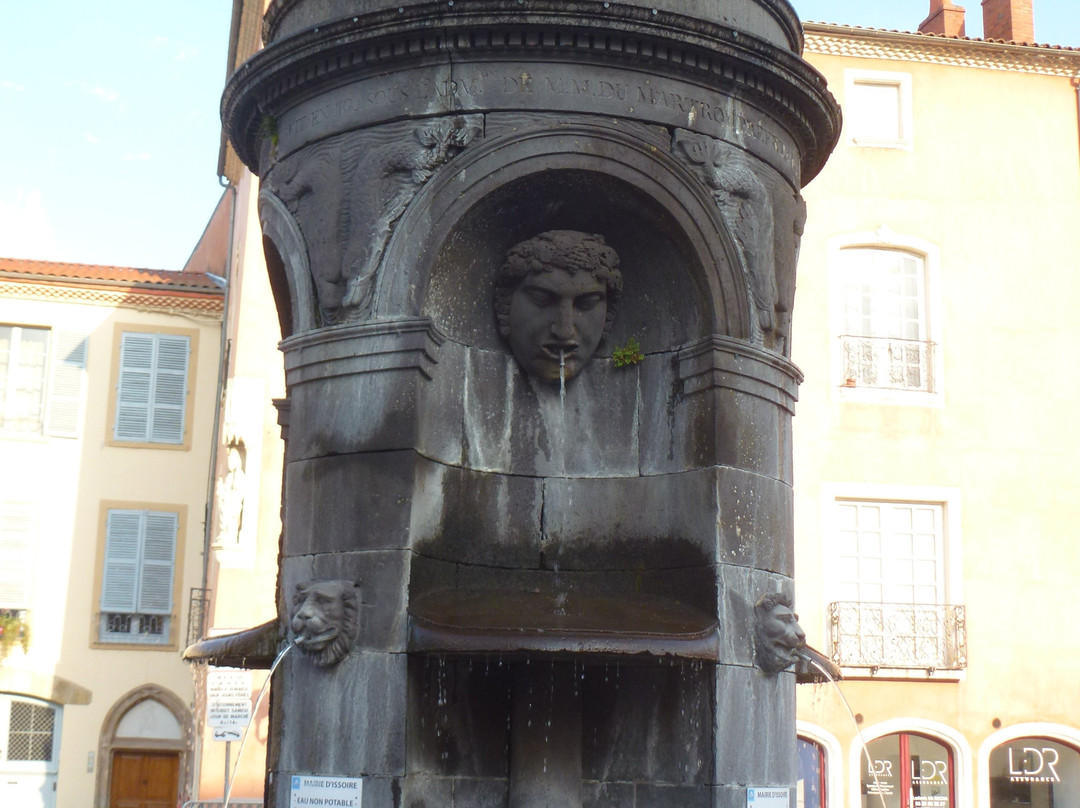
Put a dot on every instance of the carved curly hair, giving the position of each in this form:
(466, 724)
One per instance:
(570, 250)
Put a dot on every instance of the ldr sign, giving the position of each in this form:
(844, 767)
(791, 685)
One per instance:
(325, 792)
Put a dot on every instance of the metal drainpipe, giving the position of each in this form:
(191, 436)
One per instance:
(1076, 86)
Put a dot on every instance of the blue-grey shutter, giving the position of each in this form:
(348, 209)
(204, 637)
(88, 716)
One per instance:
(170, 389)
(123, 540)
(158, 563)
(66, 380)
(134, 387)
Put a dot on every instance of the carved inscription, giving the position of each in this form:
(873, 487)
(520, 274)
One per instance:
(615, 93)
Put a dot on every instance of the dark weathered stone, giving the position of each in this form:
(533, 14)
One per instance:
(505, 444)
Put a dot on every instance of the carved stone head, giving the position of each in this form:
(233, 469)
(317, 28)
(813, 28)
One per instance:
(777, 633)
(555, 299)
(325, 619)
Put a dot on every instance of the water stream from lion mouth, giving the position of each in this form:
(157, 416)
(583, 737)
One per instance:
(562, 376)
(866, 751)
(254, 716)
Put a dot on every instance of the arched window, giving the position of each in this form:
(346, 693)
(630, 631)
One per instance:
(1029, 772)
(810, 786)
(905, 770)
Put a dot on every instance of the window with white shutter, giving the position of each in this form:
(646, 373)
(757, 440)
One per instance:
(138, 576)
(67, 379)
(152, 388)
(24, 356)
(18, 525)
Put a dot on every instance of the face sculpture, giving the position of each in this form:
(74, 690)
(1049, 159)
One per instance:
(777, 633)
(324, 619)
(555, 300)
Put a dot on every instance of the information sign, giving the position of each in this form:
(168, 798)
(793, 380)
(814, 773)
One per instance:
(228, 701)
(768, 797)
(325, 792)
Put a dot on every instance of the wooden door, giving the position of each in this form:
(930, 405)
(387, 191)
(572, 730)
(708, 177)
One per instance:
(144, 780)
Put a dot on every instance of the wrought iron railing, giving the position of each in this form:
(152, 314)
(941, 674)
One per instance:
(198, 612)
(930, 637)
(889, 364)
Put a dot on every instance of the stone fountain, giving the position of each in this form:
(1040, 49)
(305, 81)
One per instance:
(534, 264)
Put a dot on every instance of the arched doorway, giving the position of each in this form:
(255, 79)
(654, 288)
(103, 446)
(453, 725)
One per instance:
(145, 751)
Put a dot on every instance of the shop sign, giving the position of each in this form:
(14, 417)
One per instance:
(1033, 765)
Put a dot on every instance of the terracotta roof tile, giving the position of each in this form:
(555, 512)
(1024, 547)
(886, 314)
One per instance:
(52, 271)
(872, 30)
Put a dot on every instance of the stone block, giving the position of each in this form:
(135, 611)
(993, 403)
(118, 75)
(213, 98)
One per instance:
(383, 579)
(356, 388)
(763, 707)
(647, 722)
(590, 429)
(607, 794)
(425, 791)
(350, 502)
(347, 720)
(662, 795)
(476, 792)
(473, 517)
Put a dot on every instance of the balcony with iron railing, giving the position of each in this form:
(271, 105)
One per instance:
(887, 364)
(910, 637)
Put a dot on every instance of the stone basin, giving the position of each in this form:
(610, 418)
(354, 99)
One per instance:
(485, 621)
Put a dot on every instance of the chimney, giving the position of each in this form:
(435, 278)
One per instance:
(1011, 20)
(944, 19)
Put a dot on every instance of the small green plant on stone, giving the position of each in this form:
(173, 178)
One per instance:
(268, 127)
(14, 628)
(629, 354)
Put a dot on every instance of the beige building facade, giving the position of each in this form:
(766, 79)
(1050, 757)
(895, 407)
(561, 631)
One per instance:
(935, 508)
(107, 384)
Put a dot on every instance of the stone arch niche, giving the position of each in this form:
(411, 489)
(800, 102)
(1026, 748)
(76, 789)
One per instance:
(554, 582)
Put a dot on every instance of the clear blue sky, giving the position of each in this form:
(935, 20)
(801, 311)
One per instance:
(109, 124)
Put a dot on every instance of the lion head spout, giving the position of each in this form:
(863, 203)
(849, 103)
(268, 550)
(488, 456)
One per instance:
(325, 619)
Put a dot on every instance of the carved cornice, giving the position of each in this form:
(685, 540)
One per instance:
(862, 43)
(210, 306)
(310, 63)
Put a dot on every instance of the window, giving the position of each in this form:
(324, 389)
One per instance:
(29, 749)
(885, 337)
(877, 108)
(905, 770)
(810, 786)
(138, 578)
(893, 574)
(152, 388)
(17, 531)
(1028, 772)
(37, 396)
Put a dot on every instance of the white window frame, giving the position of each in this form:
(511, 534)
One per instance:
(905, 118)
(834, 760)
(131, 403)
(1070, 736)
(62, 385)
(946, 496)
(139, 563)
(942, 733)
(884, 238)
